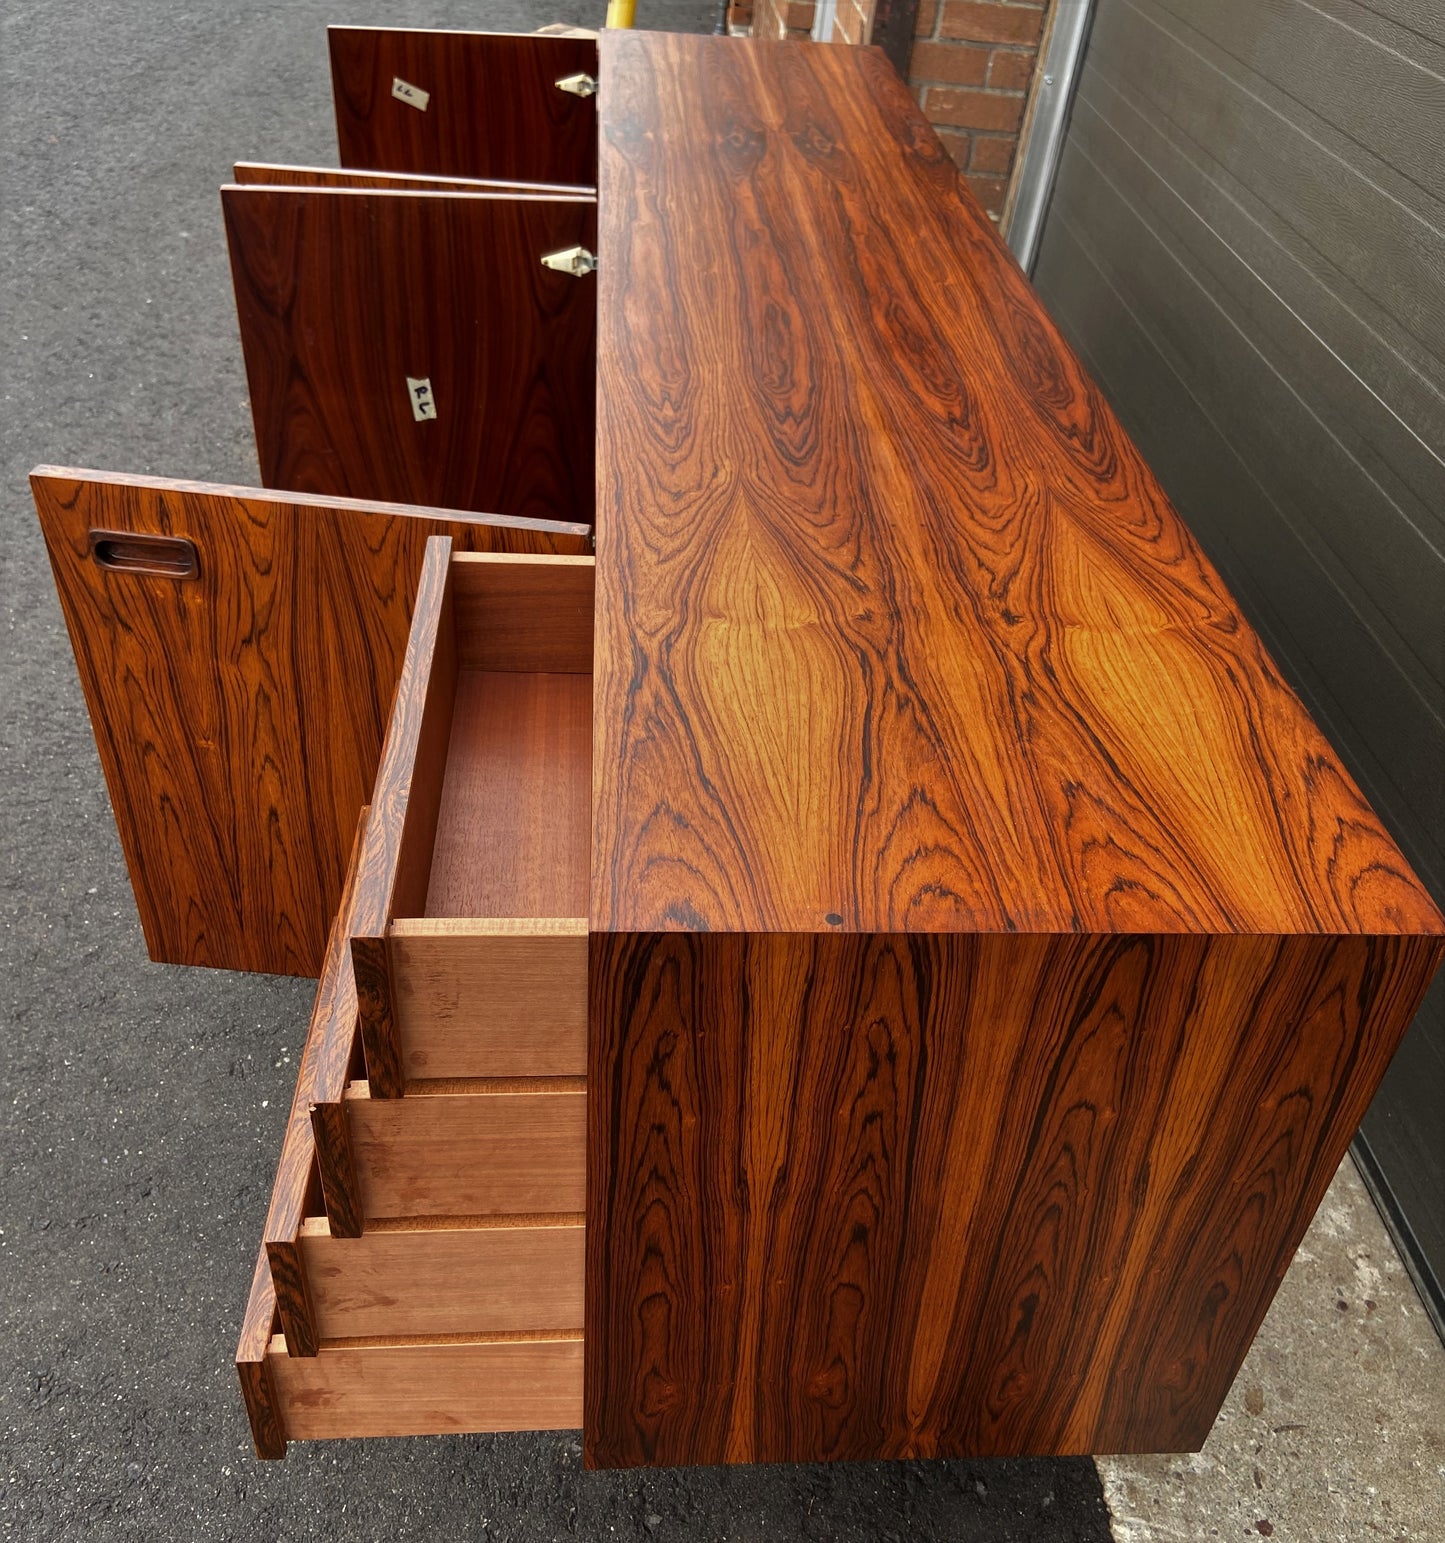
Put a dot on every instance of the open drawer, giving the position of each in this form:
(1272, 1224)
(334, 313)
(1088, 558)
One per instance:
(422, 1270)
(422, 1385)
(282, 620)
(470, 938)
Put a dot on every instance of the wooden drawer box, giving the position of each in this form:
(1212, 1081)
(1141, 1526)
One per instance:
(441, 1290)
(470, 942)
(430, 1389)
(433, 1383)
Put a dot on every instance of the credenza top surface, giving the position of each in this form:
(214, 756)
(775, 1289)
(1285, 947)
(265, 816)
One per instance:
(896, 631)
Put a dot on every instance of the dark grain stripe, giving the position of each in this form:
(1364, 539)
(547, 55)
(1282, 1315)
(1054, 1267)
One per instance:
(268, 1429)
(293, 1301)
(337, 1169)
(372, 969)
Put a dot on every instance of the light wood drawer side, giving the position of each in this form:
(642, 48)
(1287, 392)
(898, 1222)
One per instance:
(444, 1281)
(499, 998)
(469, 1154)
(429, 1389)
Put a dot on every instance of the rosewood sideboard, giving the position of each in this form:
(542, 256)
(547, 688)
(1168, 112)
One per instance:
(873, 963)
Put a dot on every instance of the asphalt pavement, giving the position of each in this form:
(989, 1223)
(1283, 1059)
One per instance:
(142, 1105)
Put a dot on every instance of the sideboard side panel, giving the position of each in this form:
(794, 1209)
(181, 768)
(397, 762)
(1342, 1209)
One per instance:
(859, 1197)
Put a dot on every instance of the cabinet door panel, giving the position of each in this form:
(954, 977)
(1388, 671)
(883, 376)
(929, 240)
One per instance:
(469, 104)
(239, 708)
(351, 302)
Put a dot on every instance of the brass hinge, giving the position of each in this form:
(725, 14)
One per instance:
(578, 85)
(575, 260)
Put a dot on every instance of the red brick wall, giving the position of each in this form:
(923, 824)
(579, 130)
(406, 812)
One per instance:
(775, 19)
(852, 21)
(971, 67)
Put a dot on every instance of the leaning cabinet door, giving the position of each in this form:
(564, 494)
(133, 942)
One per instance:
(466, 104)
(418, 347)
(239, 650)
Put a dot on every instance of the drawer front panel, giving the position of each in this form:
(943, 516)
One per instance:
(484, 1280)
(470, 1154)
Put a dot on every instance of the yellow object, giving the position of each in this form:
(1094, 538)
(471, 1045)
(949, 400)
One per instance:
(619, 12)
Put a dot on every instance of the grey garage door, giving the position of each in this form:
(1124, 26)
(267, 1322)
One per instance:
(1245, 244)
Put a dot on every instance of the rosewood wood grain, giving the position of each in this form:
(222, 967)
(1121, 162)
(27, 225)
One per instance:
(343, 295)
(239, 716)
(937, 654)
(452, 1280)
(258, 1388)
(336, 1168)
(293, 1300)
(402, 830)
(321, 1074)
(376, 1007)
(990, 959)
(272, 174)
(494, 110)
(916, 1196)
(430, 1389)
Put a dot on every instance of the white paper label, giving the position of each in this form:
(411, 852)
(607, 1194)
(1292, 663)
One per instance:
(413, 96)
(423, 403)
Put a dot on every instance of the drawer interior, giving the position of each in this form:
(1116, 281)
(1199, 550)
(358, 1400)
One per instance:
(469, 1149)
(512, 1275)
(428, 1383)
(499, 804)
(514, 818)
